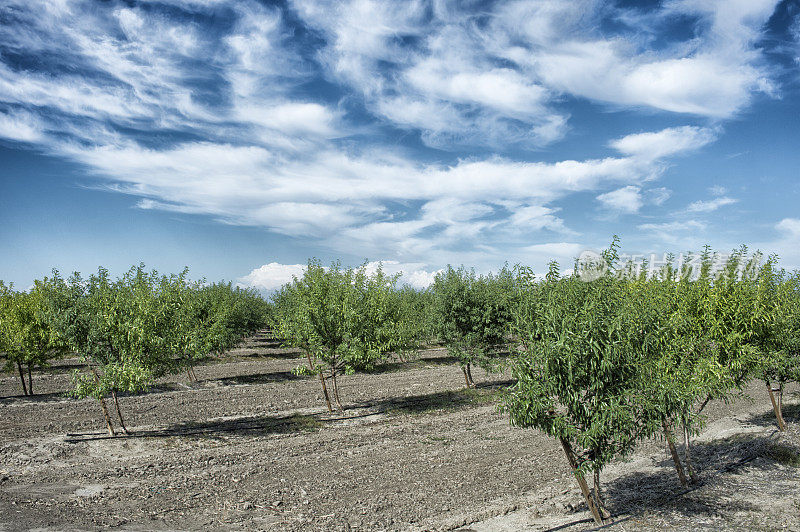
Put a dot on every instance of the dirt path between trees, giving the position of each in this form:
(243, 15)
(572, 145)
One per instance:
(251, 447)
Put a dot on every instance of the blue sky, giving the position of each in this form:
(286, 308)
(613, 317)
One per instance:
(242, 137)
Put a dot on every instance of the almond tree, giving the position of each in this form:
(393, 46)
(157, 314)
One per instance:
(143, 325)
(782, 365)
(682, 372)
(472, 315)
(723, 328)
(29, 341)
(346, 320)
(121, 347)
(770, 327)
(291, 324)
(579, 370)
(113, 327)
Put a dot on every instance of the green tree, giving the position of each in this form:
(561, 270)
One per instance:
(472, 315)
(27, 337)
(782, 364)
(578, 370)
(346, 320)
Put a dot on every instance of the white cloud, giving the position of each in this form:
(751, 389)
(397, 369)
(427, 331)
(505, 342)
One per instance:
(293, 118)
(795, 31)
(448, 86)
(272, 276)
(416, 275)
(420, 278)
(625, 200)
(790, 227)
(657, 196)
(536, 218)
(349, 200)
(673, 226)
(664, 143)
(454, 74)
(495, 76)
(631, 199)
(714, 74)
(21, 126)
(220, 123)
(786, 245)
(686, 232)
(710, 205)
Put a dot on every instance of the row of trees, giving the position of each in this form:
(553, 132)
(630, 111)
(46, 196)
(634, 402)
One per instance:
(347, 320)
(131, 330)
(601, 361)
(607, 363)
(127, 331)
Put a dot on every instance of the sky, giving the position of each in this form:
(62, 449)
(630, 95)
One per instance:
(241, 138)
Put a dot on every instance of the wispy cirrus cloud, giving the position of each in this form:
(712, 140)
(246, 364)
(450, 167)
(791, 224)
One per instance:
(350, 199)
(714, 73)
(631, 199)
(466, 77)
(427, 68)
(689, 233)
(664, 143)
(710, 205)
(207, 108)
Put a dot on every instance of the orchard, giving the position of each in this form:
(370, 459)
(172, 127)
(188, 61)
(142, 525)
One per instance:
(600, 362)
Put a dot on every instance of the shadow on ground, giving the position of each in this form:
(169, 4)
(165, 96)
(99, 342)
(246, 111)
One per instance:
(441, 358)
(715, 462)
(35, 398)
(249, 352)
(166, 387)
(257, 378)
(248, 426)
(483, 393)
(411, 362)
(718, 464)
(791, 414)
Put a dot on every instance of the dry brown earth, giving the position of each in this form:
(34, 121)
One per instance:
(251, 447)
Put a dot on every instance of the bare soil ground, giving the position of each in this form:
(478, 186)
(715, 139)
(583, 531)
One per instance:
(252, 447)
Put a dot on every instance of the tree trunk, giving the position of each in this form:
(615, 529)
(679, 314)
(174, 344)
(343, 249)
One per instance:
(674, 452)
(30, 381)
(596, 491)
(469, 374)
(598, 496)
(573, 464)
(777, 404)
(466, 376)
(108, 418)
(322, 381)
(119, 413)
(336, 390)
(104, 406)
(687, 454)
(22, 379)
